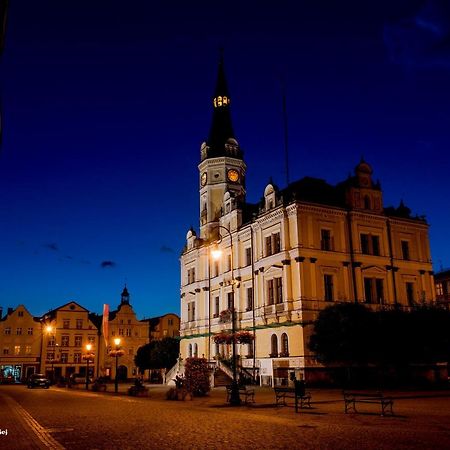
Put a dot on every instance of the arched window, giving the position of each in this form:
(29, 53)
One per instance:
(190, 351)
(284, 345)
(274, 346)
(217, 349)
(195, 351)
(366, 202)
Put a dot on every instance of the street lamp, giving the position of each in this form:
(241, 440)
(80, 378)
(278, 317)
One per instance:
(116, 379)
(235, 399)
(49, 330)
(88, 357)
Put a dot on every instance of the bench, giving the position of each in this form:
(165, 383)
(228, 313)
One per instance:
(248, 395)
(178, 393)
(351, 398)
(282, 392)
(138, 391)
(97, 386)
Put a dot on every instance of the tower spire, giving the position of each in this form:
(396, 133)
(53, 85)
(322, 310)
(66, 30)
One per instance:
(221, 140)
(125, 296)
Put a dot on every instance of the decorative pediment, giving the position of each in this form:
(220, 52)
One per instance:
(381, 270)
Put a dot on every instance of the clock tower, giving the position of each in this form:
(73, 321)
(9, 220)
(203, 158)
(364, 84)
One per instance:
(222, 168)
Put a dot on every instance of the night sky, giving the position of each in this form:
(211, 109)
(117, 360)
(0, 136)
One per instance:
(106, 103)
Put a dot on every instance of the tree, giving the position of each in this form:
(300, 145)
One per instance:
(343, 334)
(161, 354)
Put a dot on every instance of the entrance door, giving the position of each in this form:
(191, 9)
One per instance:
(122, 373)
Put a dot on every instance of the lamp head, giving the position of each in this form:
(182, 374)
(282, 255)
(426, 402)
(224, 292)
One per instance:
(88, 347)
(216, 252)
(117, 341)
(49, 329)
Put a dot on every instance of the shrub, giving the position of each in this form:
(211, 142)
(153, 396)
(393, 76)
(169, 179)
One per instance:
(197, 374)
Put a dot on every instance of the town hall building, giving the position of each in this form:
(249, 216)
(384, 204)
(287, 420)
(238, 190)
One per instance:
(283, 260)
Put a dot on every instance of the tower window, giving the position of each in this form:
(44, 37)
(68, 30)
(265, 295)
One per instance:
(366, 202)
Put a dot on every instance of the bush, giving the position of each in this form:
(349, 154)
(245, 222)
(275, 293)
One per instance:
(197, 373)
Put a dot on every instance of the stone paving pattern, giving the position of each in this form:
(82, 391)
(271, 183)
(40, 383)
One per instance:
(85, 420)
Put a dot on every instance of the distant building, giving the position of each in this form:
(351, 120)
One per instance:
(20, 344)
(442, 284)
(133, 334)
(284, 259)
(164, 326)
(66, 331)
(55, 344)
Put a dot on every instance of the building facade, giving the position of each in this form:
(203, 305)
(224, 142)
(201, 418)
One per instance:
(132, 333)
(299, 250)
(66, 333)
(21, 343)
(442, 283)
(56, 343)
(164, 326)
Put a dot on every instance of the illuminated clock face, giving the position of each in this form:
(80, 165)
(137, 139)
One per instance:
(233, 175)
(204, 178)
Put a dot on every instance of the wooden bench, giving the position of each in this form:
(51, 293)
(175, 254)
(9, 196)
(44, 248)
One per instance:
(282, 392)
(248, 395)
(138, 391)
(351, 398)
(98, 386)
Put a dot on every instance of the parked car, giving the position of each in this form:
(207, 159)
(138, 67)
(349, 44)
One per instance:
(78, 378)
(38, 380)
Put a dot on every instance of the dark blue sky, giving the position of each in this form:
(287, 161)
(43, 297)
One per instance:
(105, 105)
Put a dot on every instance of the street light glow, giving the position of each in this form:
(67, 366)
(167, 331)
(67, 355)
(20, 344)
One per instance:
(216, 253)
(49, 329)
(88, 347)
(117, 341)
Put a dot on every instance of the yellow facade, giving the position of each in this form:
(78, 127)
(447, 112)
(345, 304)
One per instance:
(67, 331)
(132, 333)
(304, 248)
(20, 344)
(55, 344)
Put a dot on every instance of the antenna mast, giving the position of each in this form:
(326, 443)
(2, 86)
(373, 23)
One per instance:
(285, 124)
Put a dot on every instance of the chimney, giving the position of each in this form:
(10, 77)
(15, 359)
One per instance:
(10, 311)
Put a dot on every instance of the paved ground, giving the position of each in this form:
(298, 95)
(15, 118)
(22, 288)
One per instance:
(74, 419)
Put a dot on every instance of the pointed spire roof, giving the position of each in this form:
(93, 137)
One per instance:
(125, 296)
(221, 140)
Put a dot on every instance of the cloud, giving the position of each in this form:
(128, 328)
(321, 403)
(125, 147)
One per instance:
(51, 246)
(166, 249)
(107, 264)
(421, 39)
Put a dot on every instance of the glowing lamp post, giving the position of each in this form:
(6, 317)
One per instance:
(116, 379)
(216, 254)
(49, 330)
(88, 357)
